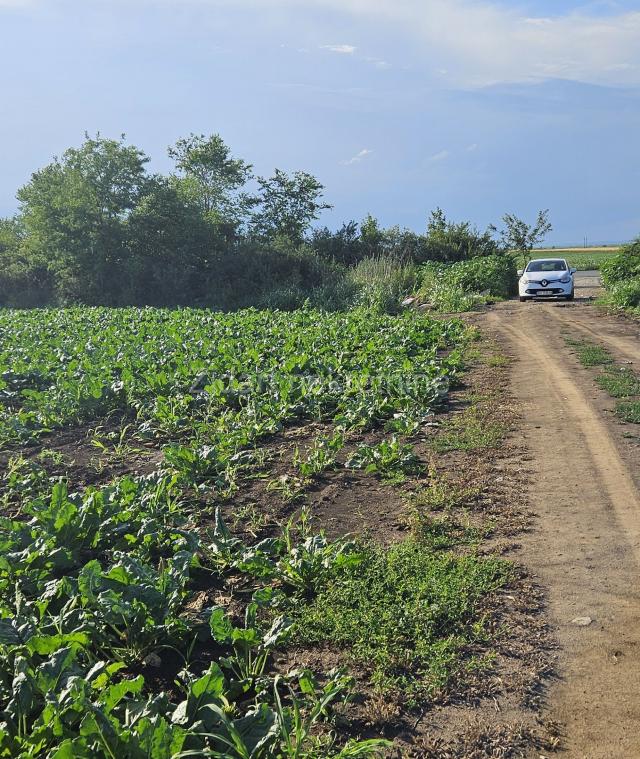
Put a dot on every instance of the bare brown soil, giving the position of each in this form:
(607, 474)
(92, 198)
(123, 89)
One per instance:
(582, 482)
(70, 454)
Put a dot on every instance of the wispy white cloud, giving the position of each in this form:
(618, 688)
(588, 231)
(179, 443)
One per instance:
(479, 42)
(358, 157)
(342, 49)
(441, 156)
(377, 62)
(351, 50)
(472, 148)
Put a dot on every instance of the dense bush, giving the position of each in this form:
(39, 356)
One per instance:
(450, 241)
(621, 277)
(626, 294)
(623, 266)
(458, 286)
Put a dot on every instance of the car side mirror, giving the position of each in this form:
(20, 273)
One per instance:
(520, 272)
(573, 271)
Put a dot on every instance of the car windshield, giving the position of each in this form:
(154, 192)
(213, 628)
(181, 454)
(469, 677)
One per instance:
(547, 266)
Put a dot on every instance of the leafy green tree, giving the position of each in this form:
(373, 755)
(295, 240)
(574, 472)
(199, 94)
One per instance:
(457, 241)
(12, 234)
(342, 247)
(521, 237)
(287, 205)
(23, 281)
(371, 237)
(74, 213)
(170, 248)
(211, 177)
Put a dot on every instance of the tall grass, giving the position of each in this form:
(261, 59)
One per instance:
(382, 283)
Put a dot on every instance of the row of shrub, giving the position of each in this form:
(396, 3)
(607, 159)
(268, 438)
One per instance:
(287, 280)
(95, 227)
(621, 277)
(381, 284)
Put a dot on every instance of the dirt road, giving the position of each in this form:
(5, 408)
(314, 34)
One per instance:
(584, 483)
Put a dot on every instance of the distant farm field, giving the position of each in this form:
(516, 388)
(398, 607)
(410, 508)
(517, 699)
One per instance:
(582, 259)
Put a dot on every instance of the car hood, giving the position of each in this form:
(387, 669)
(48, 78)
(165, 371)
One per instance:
(550, 276)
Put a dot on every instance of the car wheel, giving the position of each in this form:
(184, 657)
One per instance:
(571, 297)
(522, 299)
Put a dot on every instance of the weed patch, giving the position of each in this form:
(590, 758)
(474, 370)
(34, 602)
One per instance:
(590, 354)
(408, 613)
(498, 360)
(472, 429)
(441, 495)
(629, 411)
(619, 382)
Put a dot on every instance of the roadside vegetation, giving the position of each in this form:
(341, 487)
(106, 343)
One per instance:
(621, 278)
(590, 354)
(620, 382)
(458, 287)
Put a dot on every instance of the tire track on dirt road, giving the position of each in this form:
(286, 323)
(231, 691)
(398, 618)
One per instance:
(585, 548)
(628, 346)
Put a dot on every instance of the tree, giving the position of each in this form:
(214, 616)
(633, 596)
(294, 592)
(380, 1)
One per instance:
(211, 177)
(343, 246)
(371, 237)
(12, 234)
(286, 205)
(522, 237)
(457, 241)
(74, 212)
(170, 250)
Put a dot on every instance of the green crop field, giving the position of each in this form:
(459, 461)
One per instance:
(142, 605)
(583, 259)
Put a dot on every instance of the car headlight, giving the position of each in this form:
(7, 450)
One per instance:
(524, 281)
(566, 279)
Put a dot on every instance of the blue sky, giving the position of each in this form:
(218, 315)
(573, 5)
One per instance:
(397, 106)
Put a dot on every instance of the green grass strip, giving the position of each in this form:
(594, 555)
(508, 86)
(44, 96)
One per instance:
(406, 612)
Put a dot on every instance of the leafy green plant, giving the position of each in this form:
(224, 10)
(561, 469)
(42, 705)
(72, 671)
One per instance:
(391, 459)
(114, 445)
(307, 560)
(251, 646)
(320, 456)
(289, 487)
(297, 721)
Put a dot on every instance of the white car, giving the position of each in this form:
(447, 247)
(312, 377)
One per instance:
(546, 278)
